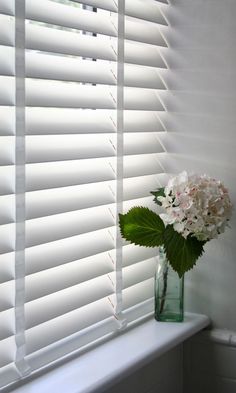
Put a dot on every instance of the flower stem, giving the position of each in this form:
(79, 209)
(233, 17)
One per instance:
(164, 290)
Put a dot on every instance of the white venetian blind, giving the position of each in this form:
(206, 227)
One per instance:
(8, 348)
(91, 150)
(143, 61)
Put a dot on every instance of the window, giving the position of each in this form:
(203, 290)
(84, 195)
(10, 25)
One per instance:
(79, 144)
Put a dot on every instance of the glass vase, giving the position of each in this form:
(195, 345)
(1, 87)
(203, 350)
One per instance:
(169, 291)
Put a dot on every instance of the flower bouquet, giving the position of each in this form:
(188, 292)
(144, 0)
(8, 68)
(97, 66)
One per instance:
(196, 209)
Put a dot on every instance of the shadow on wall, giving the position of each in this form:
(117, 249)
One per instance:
(200, 124)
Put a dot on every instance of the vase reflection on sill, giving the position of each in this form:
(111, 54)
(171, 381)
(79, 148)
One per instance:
(169, 291)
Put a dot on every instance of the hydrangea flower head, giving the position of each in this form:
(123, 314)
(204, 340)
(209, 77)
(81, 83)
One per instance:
(196, 205)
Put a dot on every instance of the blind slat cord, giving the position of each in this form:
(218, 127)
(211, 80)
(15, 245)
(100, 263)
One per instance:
(20, 362)
(120, 169)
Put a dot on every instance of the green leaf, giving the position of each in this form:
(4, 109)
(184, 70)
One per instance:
(181, 253)
(142, 227)
(157, 193)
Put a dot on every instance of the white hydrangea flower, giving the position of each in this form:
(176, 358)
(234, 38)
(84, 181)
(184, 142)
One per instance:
(196, 205)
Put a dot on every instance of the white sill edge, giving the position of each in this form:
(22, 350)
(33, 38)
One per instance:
(102, 367)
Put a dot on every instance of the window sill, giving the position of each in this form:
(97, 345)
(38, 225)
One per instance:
(110, 362)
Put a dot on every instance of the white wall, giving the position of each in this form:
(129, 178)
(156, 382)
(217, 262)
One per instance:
(201, 137)
(201, 133)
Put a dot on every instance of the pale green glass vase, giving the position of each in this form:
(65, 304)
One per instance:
(169, 291)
